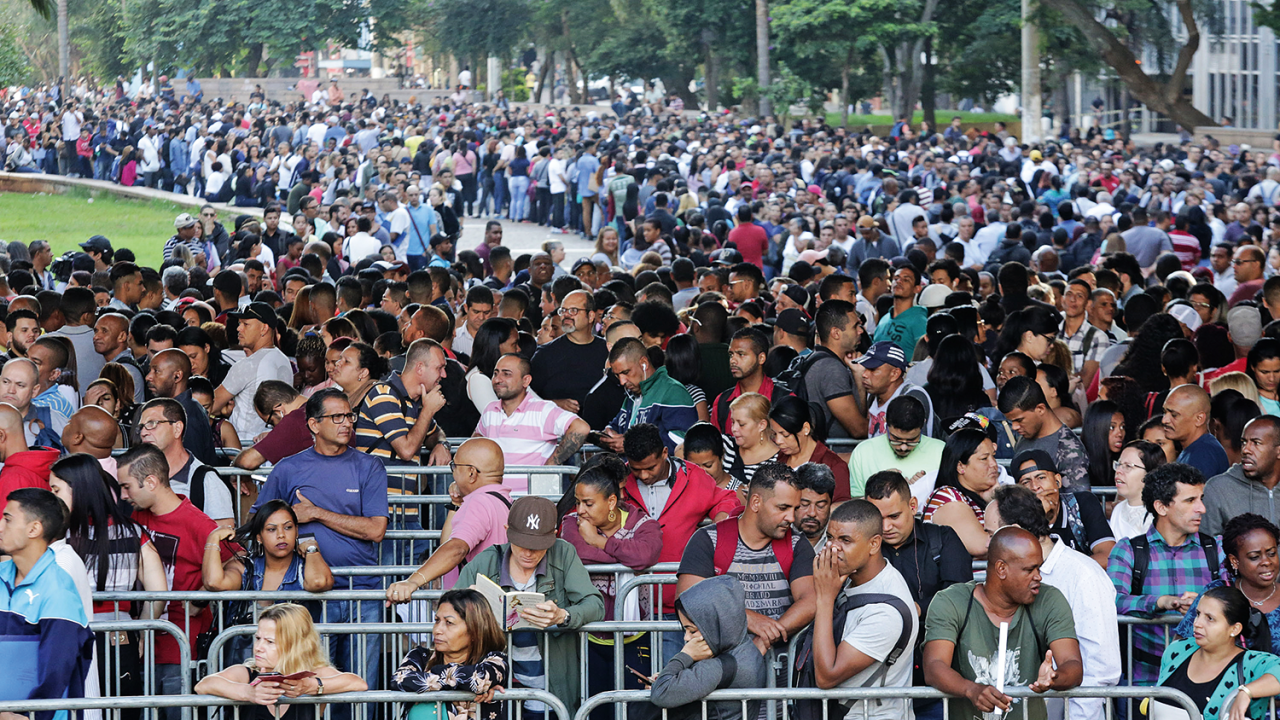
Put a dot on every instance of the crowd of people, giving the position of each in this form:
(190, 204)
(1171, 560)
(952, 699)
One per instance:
(822, 372)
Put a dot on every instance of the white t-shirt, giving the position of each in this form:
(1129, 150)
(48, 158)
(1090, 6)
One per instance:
(243, 380)
(360, 246)
(555, 173)
(1129, 520)
(873, 630)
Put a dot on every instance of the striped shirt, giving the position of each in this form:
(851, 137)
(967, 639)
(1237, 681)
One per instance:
(768, 589)
(528, 436)
(1172, 571)
(385, 414)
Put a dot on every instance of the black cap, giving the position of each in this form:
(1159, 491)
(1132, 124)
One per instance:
(97, 243)
(259, 311)
(793, 322)
(1040, 459)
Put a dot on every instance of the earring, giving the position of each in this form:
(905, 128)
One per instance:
(612, 516)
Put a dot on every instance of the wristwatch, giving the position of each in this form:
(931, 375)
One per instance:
(319, 686)
(311, 550)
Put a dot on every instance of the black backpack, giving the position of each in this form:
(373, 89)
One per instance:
(1142, 561)
(792, 381)
(195, 486)
(806, 676)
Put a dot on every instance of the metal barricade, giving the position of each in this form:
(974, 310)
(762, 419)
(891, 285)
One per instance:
(778, 699)
(110, 653)
(368, 705)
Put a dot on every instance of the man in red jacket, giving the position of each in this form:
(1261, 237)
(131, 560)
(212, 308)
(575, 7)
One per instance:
(22, 467)
(678, 495)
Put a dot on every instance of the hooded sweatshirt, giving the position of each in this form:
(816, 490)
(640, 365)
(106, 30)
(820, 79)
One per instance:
(717, 606)
(1230, 494)
(29, 468)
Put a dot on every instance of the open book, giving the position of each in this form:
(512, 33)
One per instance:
(506, 605)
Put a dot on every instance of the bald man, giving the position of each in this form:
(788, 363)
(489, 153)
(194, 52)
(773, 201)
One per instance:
(962, 632)
(1186, 420)
(111, 341)
(94, 431)
(167, 378)
(1249, 268)
(477, 520)
(23, 468)
(19, 386)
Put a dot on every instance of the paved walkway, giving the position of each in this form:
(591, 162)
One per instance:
(526, 238)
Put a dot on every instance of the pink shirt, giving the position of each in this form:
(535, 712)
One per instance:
(528, 436)
(481, 519)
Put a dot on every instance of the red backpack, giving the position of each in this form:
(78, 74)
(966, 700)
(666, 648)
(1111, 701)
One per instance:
(727, 544)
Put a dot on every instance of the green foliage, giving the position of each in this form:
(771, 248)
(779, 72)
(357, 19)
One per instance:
(785, 90)
(13, 63)
(513, 85)
(478, 28)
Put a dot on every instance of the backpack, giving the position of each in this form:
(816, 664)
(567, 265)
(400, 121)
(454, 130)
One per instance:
(806, 676)
(1142, 561)
(195, 486)
(791, 381)
(725, 547)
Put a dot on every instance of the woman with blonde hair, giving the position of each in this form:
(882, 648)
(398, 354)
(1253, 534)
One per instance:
(465, 655)
(1238, 381)
(286, 644)
(749, 426)
(607, 245)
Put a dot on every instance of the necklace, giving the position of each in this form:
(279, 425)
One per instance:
(1263, 601)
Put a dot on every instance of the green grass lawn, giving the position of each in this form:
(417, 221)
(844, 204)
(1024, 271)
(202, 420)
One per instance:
(70, 219)
(944, 118)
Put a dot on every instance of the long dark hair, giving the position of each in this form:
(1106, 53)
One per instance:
(1037, 319)
(605, 471)
(1142, 360)
(955, 382)
(682, 359)
(484, 350)
(1094, 433)
(247, 534)
(1056, 378)
(94, 505)
(482, 627)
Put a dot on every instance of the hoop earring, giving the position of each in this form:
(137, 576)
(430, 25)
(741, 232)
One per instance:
(612, 516)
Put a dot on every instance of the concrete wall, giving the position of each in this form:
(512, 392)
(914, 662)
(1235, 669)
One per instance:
(1257, 139)
(31, 183)
(290, 89)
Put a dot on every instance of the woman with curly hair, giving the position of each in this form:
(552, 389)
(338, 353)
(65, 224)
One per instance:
(1249, 543)
(1142, 360)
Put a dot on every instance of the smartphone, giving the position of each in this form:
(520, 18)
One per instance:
(643, 678)
(595, 438)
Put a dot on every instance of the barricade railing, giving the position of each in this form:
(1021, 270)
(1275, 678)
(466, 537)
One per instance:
(111, 652)
(367, 705)
(778, 700)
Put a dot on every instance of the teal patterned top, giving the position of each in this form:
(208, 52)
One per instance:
(1254, 665)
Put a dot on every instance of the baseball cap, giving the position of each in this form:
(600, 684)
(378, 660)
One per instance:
(1036, 156)
(580, 263)
(813, 256)
(259, 311)
(866, 221)
(1244, 322)
(972, 421)
(793, 322)
(183, 221)
(798, 295)
(934, 296)
(97, 243)
(885, 352)
(1186, 315)
(1040, 458)
(531, 523)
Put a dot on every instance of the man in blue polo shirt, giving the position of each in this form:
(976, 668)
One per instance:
(340, 497)
(44, 634)
(1186, 420)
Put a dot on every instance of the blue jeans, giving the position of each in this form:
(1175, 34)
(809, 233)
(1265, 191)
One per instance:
(499, 192)
(169, 682)
(519, 186)
(343, 648)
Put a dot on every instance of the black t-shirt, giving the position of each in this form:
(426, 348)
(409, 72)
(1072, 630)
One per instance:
(1093, 525)
(602, 403)
(563, 369)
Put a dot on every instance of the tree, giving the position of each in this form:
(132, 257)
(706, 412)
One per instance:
(1162, 92)
(13, 63)
(818, 36)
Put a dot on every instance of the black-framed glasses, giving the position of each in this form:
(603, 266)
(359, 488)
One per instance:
(453, 466)
(340, 418)
(1242, 261)
(907, 444)
(153, 424)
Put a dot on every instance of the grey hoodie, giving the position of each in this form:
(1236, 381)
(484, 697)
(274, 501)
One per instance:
(1230, 494)
(718, 607)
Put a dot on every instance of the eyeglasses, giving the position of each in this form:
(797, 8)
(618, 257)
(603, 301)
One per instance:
(1204, 305)
(570, 311)
(340, 418)
(453, 466)
(153, 424)
(1118, 466)
(908, 444)
(1239, 261)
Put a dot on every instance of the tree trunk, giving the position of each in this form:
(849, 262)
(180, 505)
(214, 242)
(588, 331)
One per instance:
(64, 50)
(844, 88)
(928, 88)
(1166, 98)
(252, 60)
(547, 62)
(888, 75)
(711, 72)
(762, 56)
